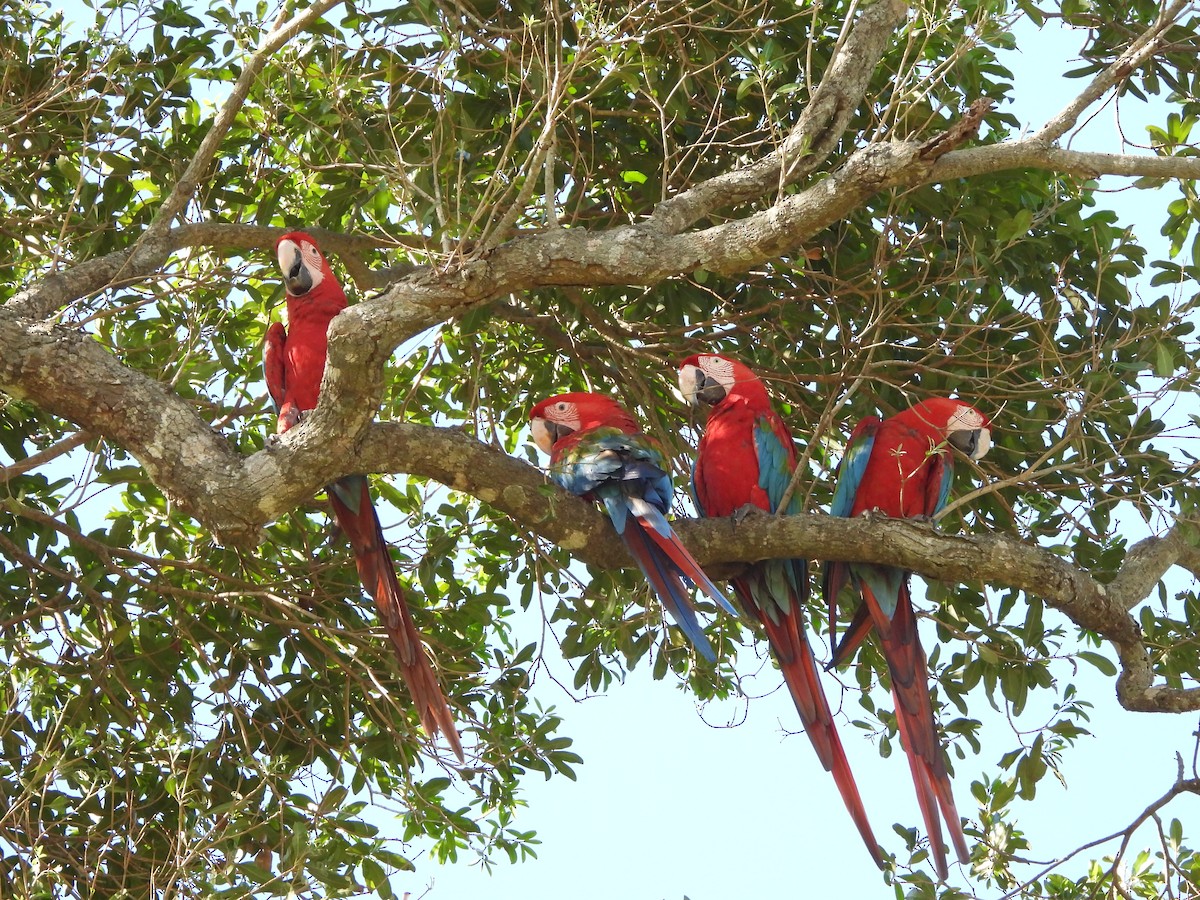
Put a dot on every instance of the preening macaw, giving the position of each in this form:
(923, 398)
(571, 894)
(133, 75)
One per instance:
(902, 467)
(294, 362)
(597, 451)
(747, 457)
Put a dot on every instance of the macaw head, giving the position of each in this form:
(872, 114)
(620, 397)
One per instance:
(555, 418)
(710, 378)
(301, 263)
(962, 425)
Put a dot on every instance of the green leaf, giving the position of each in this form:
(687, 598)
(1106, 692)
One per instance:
(1100, 662)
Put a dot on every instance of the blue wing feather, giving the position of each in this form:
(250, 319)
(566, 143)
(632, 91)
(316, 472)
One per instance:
(775, 464)
(665, 580)
(350, 491)
(849, 478)
(629, 475)
(850, 473)
(884, 582)
(944, 487)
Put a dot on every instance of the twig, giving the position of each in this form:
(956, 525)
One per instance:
(55, 450)
(1181, 786)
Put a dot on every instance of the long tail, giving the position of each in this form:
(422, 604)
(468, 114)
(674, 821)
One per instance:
(914, 718)
(351, 501)
(664, 577)
(659, 530)
(795, 657)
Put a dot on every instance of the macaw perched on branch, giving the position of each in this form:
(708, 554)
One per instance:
(746, 458)
(902, 467)
(597, 451)
(294, 362)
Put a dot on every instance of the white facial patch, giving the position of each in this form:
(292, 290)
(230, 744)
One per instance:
(313, 261)
(719, 370)
(967, 418)
(556, 420)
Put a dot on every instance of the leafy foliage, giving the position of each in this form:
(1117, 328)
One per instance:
(182, 717)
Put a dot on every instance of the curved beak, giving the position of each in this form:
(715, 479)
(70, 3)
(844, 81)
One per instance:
(697, 387)
(296, 277)
(972, 442)
(546, 433)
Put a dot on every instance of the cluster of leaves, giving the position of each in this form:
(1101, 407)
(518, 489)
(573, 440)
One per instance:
(178, 716)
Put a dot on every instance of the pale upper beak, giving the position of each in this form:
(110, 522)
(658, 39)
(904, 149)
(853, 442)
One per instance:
(546, 433)
(296, 277)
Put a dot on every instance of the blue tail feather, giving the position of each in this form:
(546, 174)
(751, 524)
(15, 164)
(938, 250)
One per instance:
(670, 546)
(617, 509)
(668, 586)
(650, 515)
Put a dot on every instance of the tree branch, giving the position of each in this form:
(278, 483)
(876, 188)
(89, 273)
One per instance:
(1146, 45)
(55, 450)
(1181, 786)
(151, 249)
(150, 245)
(815, 134)
(234, 496)
(1031, 153)
(459, 461)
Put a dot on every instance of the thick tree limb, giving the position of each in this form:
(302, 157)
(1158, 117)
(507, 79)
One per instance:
(239, 495)
(455, 459)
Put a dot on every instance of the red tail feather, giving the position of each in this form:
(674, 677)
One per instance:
(918, 730)
(683, 559)
(795, 658)
(856, 632)
(378, 576)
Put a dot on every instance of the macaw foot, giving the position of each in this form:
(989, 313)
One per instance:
(289, 417)
(927, 520)
(742, 513)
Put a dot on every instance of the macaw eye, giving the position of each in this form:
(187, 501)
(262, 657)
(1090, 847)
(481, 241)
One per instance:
(966, 417)
(718, 369)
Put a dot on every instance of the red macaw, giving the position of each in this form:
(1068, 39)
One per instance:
(597, 451)
(747, 457)
(902, 467)
(294, 362)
